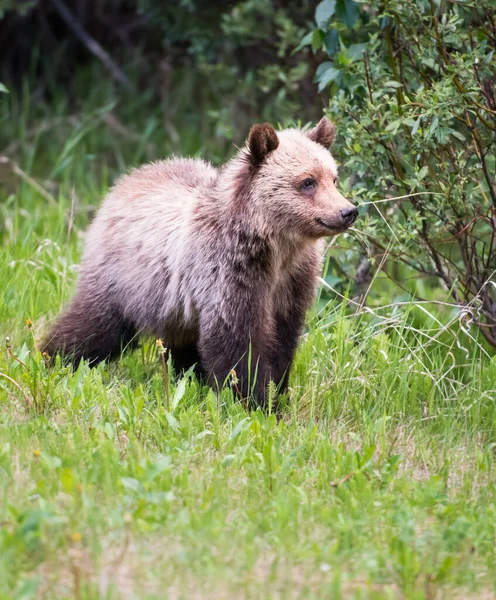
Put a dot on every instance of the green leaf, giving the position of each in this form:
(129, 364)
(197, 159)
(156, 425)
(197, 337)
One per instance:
(416, 126)
(203, 434)
(29, 588)
(325, 74)
(347, 11)
(67, 479)
(173, 422)
(458, 135)
(324, 12)
(109, 430)
(394, 125)
(76, 385)
(239, 427)
(306, 41)
(139, 399)
(123, 414)
(422, 173)
(228, 460)
(322, 68)
(52, 462)
(132, 484)
(332, 42)
(179, 393)
(162, 464)
(317, 40)
(333, 280)
(393, 84)
(3, 89)
(433, 127)
(355, 51)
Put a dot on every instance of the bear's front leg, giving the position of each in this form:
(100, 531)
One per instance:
(288, 328)
(290, 318)
(237, 333)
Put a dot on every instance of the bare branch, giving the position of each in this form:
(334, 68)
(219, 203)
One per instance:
(90, 43)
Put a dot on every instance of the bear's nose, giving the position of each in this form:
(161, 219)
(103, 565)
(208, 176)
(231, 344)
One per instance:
(349, 215)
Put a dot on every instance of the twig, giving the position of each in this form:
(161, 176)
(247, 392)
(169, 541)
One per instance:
(349, 476)
(243, 400)
(28, 179)
(381, 264)
(367, 76)
(400, 198)
(234, 383)
(9, 350)
(39, 129)
(336, 483)
(90, 43)
(13, 382)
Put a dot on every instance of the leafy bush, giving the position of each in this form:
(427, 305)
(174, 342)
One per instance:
(412, 86)
(239, 53)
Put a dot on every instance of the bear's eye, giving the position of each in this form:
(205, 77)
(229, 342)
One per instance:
(308, 184)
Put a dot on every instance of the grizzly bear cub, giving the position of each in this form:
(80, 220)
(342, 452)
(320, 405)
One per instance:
(221, 264)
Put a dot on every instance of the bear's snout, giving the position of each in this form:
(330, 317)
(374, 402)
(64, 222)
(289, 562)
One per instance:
(339, 219)
(349, 215)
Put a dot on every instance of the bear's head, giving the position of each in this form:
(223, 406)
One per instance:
(293, 181)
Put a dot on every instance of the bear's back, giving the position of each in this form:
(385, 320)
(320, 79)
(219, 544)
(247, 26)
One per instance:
(136, 246)
(166, 177)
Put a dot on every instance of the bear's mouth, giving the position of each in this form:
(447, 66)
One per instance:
(332, 227)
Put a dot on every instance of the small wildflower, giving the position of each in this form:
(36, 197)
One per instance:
(160, 345)
(29, 323)
(234, 377)
(7, 342)
(76, 536)
(36, 453)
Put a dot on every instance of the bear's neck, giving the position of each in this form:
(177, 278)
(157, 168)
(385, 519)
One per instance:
(231, 211)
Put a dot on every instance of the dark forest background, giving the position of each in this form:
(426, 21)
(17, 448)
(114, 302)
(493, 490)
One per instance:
(235, 59)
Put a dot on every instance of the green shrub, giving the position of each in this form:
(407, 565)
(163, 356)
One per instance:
(412, 93)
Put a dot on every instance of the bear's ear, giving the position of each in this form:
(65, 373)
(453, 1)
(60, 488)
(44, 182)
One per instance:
(324, 133)
(262, 139)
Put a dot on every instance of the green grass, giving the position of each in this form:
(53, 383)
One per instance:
(376, 482)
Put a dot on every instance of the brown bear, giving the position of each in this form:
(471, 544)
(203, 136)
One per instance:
(221, 264)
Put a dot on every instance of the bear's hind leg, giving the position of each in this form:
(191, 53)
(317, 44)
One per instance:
(87, 330)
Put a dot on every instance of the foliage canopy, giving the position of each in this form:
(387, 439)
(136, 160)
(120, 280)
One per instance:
(412, 86)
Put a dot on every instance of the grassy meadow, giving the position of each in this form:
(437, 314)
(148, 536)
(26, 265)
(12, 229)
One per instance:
(375, 481)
